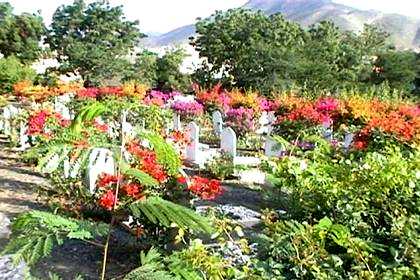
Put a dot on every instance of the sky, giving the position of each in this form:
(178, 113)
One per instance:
(165, 15)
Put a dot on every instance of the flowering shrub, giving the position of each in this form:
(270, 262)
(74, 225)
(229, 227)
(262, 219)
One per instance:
(38, 121)
(187, 108)
(26, 90)
(128, 191)
(242, 120)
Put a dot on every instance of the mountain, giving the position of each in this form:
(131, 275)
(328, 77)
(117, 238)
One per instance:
(404, 31)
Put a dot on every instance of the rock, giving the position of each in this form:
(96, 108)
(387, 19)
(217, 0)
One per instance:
(245, 216)
(10, 272)
(4, 226)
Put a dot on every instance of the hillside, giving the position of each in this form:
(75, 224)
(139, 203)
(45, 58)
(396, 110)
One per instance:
(404, 31)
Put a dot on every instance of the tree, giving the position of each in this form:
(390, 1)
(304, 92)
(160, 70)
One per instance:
(247, 48)
(93, 41)
(160, 72)
(144, 69)
(20, 35)
(398, 68)
(169, 75)
(13, 71)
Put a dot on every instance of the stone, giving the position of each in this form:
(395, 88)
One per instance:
(52, 164)
(217, 122)
(23, 136)
(348, 140)
(271, 147)
(4, 226)
(177, 122)
(100, 161)
(228, 141)
(193, 149)
(252, 176)
(8, 271)
(328, 132)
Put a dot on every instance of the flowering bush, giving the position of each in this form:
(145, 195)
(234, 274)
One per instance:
(242, 120)
(38, 121)
(187, 108)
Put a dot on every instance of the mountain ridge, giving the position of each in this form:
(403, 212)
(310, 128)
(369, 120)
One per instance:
(404, 31)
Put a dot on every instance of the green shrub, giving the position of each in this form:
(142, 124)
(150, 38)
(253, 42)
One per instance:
(11, 72)
(375, 195)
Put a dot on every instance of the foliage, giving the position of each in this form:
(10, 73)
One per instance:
(251, 50)
(92, 41)
(221, 167)
(11, 72)
(166, 213)
(35, 234)
(162, 72)
(374, 196)
(20, 35)
(398, 68)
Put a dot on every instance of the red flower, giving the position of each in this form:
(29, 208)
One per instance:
(100, 127)
(132, 189)
(205, 188)
(108, 200)
(106, 179)
(36, 123)
(88, 93)
(148, 162)
(181, 180)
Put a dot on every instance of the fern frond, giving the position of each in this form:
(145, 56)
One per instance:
(144, 178)
(166, 213)
(151, 267)
(36, 233)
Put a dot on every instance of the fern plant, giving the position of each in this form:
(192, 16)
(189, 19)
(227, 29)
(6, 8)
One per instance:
(35, 233)
(167, 213)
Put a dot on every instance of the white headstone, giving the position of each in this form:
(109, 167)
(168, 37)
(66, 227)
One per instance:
(192, 150)
(348, 139)
(177, 122)
(127, 129)
(184, 98)
(52, 164)
(8, 113)
(217, 122)
(228, 141)
(271, 148)
(60, 106)
(328, 131)
(23, 136)
(100, 161)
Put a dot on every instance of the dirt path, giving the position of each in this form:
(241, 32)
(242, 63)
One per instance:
(18, 184)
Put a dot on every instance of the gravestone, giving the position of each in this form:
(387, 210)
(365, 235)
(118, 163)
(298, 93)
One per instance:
(348, 140)
(100, 161)
(271, 147)
(127, 129)
(217, 122)
(228, 141)
(52, 164)
(8, 113)
(177, 122)
(193, 150)
(23, 136)
(328, 131)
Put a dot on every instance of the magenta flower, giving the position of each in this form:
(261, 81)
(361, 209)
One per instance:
(326, 104)
(187, 108)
